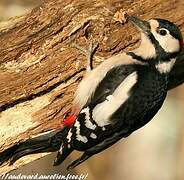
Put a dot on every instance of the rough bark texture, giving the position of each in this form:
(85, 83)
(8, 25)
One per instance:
(39, 70)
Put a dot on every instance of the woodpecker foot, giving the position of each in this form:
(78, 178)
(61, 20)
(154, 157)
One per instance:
(89, 53)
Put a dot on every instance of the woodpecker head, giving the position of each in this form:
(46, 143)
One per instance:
(161, 42)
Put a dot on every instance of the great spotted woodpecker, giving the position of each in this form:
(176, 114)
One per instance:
(116, 98)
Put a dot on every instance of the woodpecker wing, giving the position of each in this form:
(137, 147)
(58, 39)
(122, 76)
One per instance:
(128, 104)
(111, 93)
(113, 79)
(89, 84)
(126, 99)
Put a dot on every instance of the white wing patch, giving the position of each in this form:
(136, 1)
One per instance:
(104, 110)
(165, 67)
(89, 84)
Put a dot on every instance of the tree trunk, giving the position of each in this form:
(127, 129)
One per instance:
(39, 69)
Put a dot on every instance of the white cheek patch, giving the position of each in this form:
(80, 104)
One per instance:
(165, 67)
(103, 111)
(167, 42)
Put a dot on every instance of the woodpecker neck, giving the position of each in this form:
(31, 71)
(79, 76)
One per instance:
(166, 66)
(162, 66)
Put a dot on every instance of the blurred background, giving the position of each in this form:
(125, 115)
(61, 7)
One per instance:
(155, 152)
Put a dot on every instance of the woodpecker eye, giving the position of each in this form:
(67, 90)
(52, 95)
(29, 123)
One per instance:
(162, 32)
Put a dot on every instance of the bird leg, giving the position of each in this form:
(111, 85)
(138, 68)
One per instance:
(89, 53)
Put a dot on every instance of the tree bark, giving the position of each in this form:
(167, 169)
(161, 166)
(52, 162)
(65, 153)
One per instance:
(39, 69)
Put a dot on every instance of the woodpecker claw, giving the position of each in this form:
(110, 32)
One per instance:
(78, 161)
(89, 53)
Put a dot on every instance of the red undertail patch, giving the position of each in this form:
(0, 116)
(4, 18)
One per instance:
(70, 120)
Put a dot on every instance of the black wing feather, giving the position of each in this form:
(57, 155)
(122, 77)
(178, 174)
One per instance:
(110, 82)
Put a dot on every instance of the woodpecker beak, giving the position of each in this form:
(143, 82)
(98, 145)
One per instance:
(144, 26)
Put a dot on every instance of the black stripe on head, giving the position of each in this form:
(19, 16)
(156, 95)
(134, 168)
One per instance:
(160, 52)
(137, 57)
(162, 57)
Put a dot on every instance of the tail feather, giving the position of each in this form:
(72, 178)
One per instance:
(20, 154)
(49, 142)
(5, 155)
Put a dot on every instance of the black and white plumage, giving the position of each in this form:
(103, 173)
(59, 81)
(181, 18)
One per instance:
(123, 93)
(119, 96)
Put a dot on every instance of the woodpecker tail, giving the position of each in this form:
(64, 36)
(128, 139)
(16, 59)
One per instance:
(49, 142)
